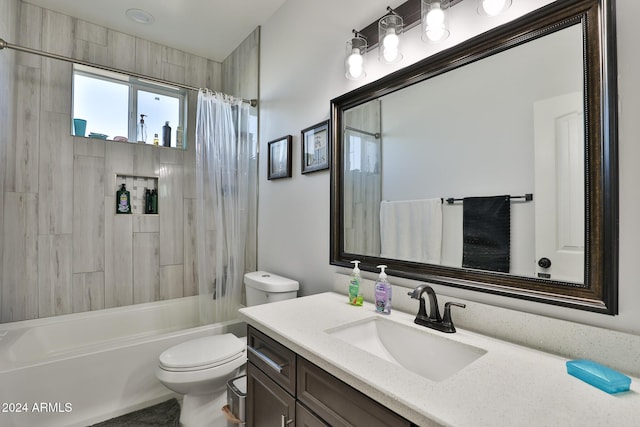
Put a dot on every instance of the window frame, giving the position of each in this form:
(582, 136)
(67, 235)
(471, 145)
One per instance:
(134, 85)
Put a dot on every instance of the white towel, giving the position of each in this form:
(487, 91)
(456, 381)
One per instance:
(411, 230)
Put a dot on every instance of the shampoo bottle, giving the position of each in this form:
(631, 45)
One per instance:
(355, 291)
(123, 201)
(147, 201)
(179, 137)
(383, 292)
(154, 201)
(166, 135)
(155, 139)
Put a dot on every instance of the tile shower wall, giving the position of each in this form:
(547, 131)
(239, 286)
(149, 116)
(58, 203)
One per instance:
(9, 13)
(67, 250)
(240, 75)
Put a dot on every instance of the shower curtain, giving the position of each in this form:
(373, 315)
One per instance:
(226, 200)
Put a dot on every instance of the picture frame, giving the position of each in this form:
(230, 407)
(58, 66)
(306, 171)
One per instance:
(315, 147)
(279, 158)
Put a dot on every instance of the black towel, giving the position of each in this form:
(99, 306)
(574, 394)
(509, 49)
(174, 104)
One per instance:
(486, 233)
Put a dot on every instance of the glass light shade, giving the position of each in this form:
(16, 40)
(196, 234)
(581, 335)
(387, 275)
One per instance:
(354, 61)
(493, 7)
(435, 20)
(389, 29)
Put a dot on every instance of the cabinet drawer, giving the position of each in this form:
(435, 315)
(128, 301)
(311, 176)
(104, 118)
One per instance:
(337, 403)
(274, 359)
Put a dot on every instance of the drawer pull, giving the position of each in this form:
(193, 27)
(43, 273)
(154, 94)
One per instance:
(285, 423)
(276, 366)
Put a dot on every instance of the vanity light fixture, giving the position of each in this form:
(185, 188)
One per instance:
(354, 62)
(389, 29)
(493, 7)
(384, 33)
(435, 20)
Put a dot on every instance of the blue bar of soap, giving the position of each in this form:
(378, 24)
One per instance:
(599, 376)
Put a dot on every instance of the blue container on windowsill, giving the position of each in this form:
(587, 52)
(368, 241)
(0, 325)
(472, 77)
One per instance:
(79, 127)
(97, 135)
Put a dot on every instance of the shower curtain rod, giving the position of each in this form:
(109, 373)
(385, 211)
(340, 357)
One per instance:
(364, 132)
(4, 44)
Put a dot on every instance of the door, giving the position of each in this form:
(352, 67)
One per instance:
(268, 405)
(559, 187)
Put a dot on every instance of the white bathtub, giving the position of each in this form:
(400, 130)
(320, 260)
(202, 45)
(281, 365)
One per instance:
(79, 369)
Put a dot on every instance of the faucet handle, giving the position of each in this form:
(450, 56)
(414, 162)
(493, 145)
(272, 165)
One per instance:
(417, 292)
(446, 320)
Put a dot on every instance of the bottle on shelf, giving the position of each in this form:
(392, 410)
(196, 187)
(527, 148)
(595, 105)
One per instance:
(142, 130)
(166, 135)
(123, 200)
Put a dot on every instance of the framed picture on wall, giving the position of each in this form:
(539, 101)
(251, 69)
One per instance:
(279, 158)
(315, 147)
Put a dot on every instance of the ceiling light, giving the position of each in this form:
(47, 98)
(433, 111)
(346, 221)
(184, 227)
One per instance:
(140, 16)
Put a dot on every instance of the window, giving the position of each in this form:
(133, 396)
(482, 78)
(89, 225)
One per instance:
(364, 151)
(113, 103)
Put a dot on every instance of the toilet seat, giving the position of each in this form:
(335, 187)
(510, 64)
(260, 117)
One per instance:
(202, 353)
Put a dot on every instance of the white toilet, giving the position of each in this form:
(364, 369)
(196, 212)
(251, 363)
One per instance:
(200, 368)
(263, 287)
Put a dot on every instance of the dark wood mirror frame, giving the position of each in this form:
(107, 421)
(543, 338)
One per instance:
(599, 291)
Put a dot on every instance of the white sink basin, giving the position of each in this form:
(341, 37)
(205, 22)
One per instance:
(426, 353)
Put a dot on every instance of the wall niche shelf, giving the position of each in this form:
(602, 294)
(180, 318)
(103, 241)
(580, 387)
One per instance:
(137, 186)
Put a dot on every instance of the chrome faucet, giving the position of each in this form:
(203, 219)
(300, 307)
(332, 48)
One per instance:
(433, 320)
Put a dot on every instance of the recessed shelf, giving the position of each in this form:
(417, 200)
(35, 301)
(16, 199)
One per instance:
(136, 185)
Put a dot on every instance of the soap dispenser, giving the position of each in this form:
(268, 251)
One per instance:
(383, 292)
(142, 130)
(355, 291)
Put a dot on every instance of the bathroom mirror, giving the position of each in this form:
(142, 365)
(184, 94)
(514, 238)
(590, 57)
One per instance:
(523, 116)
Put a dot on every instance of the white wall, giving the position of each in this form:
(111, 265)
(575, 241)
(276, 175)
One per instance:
(302, 69)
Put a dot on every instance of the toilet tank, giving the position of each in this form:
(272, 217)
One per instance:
(263, 287)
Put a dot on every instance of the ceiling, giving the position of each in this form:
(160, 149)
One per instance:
(208, 28)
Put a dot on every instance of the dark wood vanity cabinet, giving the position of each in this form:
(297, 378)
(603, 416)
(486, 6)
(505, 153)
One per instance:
(284, 389)
(271, 382)
(268, 404)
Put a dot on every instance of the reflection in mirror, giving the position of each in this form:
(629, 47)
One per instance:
(491, 165)
(442, 138)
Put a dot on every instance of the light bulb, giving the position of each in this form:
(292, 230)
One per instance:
(390, 55)
(390, 45)
(391, 40)
(435, 17)
(436, 33)
(355, 63)
(493, 7)
(436, 30)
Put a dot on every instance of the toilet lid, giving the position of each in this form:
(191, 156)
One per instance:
(202, 353)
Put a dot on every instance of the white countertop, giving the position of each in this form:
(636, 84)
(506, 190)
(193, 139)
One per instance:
(510, 385)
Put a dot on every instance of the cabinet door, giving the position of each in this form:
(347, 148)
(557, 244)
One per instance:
(339, 404)
(306, 418)
(268, 405)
